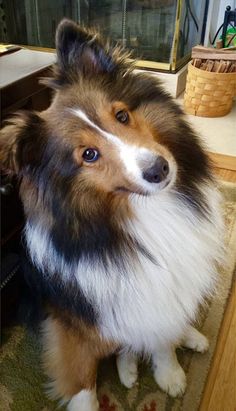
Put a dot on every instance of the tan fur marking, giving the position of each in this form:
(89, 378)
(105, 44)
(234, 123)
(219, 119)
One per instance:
(108, 172)
(138, 131)
(71, 356)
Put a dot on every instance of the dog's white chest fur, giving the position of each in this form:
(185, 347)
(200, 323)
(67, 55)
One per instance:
(154, 301)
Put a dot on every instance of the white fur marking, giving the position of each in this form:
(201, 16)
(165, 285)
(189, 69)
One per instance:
(86, 400)
(195, 340)
(127, 366)
(168, 373)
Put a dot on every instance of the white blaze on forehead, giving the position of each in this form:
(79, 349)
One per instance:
(129, 153)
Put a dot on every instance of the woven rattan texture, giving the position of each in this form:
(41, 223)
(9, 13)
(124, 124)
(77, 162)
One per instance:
(209, 94)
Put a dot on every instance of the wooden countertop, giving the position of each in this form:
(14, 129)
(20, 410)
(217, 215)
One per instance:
(21, 64)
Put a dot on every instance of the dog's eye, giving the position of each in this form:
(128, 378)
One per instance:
(122, 116)
(90, 155)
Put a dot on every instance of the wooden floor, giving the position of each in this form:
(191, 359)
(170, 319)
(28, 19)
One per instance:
(225, 166)
(226, 175)
(220, 390)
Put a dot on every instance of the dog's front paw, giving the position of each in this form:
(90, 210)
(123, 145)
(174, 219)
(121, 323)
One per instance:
(195, 340)
(171, 380)
(127, 369)
(86, 400)
(201, 344)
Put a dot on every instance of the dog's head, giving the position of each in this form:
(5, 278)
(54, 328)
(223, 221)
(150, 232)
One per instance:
(109, 130)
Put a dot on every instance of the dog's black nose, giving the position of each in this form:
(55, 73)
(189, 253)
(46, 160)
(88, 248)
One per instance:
(158, 171)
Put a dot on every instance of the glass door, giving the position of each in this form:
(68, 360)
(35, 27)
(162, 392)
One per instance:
(160, 33)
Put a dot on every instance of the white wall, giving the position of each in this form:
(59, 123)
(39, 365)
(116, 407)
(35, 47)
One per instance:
(216, 17)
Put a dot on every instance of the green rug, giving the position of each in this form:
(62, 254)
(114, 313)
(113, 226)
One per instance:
(22, 382)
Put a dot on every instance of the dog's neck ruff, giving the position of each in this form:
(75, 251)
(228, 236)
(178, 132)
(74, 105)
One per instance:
(152, 299)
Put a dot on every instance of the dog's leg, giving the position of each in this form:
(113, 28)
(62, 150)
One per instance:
(127, 365)
(167, 372)
(195, 340)
(70, 359)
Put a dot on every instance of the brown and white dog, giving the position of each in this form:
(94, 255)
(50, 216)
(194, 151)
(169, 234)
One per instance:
(123, 226)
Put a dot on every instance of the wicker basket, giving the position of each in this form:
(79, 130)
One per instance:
(209, 94)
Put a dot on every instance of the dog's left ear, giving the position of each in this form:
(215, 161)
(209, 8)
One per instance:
(21, 142)
(80, 51)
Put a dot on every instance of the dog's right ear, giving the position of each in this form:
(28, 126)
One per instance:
(20, 142)
(82, 51)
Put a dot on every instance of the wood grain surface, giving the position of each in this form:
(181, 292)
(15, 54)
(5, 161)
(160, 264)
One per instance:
(220, 390)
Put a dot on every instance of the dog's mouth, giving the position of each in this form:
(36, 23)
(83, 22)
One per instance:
(125, 190)
(141, 191)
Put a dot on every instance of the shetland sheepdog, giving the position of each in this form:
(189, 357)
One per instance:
(123, 224)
